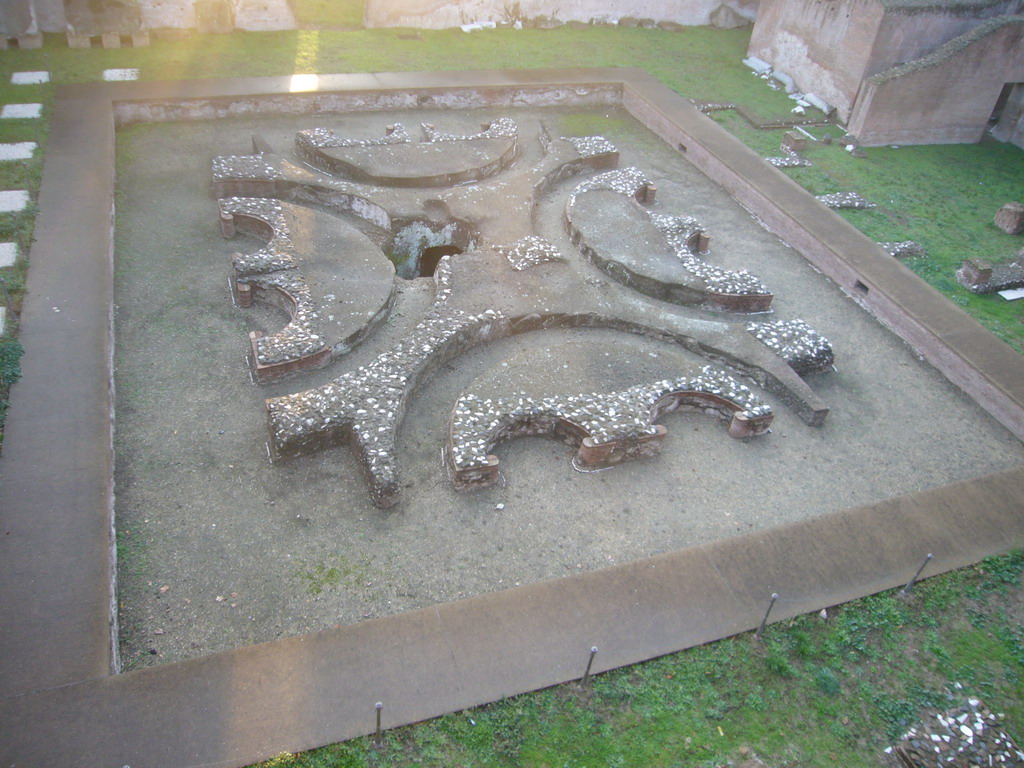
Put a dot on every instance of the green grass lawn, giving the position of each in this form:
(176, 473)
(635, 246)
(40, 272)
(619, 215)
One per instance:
(328, 14)
(815, 692)
(944, 197)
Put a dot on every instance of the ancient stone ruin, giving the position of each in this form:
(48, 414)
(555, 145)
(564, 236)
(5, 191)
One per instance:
(458, 210)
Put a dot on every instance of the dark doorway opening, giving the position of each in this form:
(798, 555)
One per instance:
(431, 256)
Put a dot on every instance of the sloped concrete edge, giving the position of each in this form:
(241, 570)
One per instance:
(238, 707)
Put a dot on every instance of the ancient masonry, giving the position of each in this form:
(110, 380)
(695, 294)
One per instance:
(607, 428)
(503, 285)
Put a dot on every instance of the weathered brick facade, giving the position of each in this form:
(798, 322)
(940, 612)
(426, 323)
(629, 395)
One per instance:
(898, 71)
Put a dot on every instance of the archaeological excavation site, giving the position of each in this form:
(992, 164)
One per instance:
(381, 355)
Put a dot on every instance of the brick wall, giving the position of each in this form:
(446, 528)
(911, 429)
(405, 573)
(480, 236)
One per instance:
(946, 97)
(824, 45)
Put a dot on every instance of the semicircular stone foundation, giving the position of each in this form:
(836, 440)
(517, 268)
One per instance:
(654, 253)
(516, 282)
(336, 285)
(606, 429)
(440, 160)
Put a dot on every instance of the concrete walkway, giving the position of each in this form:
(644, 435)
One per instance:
(60, 704)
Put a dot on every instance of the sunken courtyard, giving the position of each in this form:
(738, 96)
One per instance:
(390, 352)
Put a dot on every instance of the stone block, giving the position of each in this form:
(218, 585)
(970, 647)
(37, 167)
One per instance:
(140, 39)
(1010, 218)
(975, 272)
(30, 41)
(794, 142)
(79, 41)
(111, 39)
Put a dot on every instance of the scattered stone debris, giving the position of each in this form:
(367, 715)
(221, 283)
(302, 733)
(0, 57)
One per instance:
(789, 159)
(838, 200)
(1010, 218)
(529, 252)
(905, 249)
(502, 128)
(679, 231)
(963, 737)
(325, 322)
(590, 146)
(796, 342)
(252, 167)
(980, 276)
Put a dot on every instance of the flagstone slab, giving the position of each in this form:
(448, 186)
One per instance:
(21, 150)
(8, 254)
(13, 200)
(30, 78)
(17, 111)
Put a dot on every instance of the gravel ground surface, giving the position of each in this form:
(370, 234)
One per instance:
(219, 548)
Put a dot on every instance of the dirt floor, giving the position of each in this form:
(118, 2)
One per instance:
(220, 548)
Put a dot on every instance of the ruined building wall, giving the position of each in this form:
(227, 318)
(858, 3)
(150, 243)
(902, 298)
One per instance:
(30, 17)
(947, 96)
(908, 32)
(824, 45)
(439, 14)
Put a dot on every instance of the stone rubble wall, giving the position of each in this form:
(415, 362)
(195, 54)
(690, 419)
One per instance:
(442, 14)
(29, 17)
(19, 17)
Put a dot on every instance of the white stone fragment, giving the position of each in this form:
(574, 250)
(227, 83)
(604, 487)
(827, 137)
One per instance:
(30, 78)
(21, 150)
(13, 200)
(20, 111)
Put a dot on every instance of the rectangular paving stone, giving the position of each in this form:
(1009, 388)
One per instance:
(3, 320)
(21, 110)
(120, 74)
(13, 200)
(30, 78)
(21, 150)
(8, 254)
